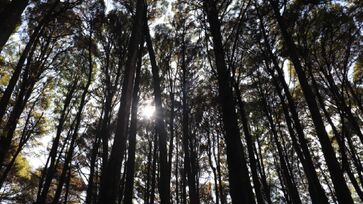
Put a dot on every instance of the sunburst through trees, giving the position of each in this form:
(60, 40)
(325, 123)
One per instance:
(181, 101)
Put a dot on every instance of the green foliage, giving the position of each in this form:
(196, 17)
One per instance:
(22, 168)
(4, 78)
(327, 36)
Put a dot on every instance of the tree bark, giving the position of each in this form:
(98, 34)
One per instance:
(214, 170)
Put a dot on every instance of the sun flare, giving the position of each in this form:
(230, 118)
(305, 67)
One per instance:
(147, 111)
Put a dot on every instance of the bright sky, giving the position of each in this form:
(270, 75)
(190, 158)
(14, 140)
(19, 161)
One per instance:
(147, 111)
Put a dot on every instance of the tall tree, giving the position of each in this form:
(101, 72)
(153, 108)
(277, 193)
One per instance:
(241, 190)
(111, 175)
(343, 193)
(10, 18)
(130, 174)
(164, 182)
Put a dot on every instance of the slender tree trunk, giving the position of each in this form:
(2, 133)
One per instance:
(129, 186)
(68, 182)
(110, 178)
(164, 183)
(214, 170)
(26, 53)
(171, 128)
(91, 191)
(26, 89)
(356, 97)
(177, 185)
(26, 135)
(72, 145)
(183, 184)
(345, 162)
(148, 172)
(171, 131)
(336, 173)
(153, 172)
(216, 142)
(283, 188)
(10, 18)
(122, 182)
(339, 137)
(287, 176)
(90, 186)
(49, 172)
(29, 48)
(188, 150)
(317, 193)
(110, 92)
(251, 154)
(340, 101)
(356, 160)
(240, 186)
(266, 187)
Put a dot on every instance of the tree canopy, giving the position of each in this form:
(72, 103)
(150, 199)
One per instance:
(177, 101)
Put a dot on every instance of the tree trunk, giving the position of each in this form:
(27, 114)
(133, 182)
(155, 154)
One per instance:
(177, 185)
(339, 137)
(188, 151)
(10, 17)
(48, 173)
(214, 170)
(153, 172)
(336, 173)
(216, 142)
(148, 172)
(287, 176)
(164, 183)
(240, 186)
(90, 186)
(261, 166)
(248, 136)
(91, 192)
(28, 50)
(129, 186)
(317, 192)
(68, 182)
(26, 89)
(72, 145)
(110, 178)
(25, 136)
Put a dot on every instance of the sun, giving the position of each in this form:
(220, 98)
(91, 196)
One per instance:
(147, 111)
